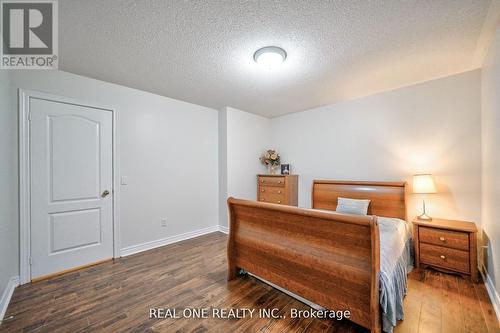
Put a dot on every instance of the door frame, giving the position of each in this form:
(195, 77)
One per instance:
(24, 97)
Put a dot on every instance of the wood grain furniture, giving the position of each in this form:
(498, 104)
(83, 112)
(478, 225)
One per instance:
(278, 189)
(447, 245)
(327, 258)
(386, 198)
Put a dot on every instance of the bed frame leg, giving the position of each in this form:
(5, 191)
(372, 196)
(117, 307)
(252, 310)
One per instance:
(232, 272)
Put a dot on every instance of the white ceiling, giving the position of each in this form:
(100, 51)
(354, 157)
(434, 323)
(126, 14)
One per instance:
(201, 51)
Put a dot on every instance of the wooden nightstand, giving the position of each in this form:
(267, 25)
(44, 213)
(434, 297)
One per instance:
(449, 246)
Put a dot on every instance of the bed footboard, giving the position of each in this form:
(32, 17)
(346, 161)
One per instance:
(327, 258)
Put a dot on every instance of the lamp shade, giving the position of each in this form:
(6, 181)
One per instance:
(423, 184)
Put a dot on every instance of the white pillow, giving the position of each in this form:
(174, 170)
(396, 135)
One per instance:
(352, 206)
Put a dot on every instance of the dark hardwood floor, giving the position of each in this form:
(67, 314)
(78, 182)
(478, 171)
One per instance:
(117, 297)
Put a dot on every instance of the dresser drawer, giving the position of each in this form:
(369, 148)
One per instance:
(451, 239)
(444, 257)
(272, 198)
(271, 181)
(271, 190)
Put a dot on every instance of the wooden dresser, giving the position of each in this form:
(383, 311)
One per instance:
(450, 246)
(278, 189)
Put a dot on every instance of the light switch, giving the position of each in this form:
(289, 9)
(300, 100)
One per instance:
(124, 180)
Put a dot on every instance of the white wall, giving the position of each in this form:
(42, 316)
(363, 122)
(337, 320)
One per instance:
(9, 264)
(247, 136)
(430, 127)
(491, 160)
(223, 213)
(168, 149)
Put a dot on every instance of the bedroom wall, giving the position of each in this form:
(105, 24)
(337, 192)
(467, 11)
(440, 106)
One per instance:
(222, 134)
(168, 149)
(246, 136)
(429, 127)
(491, 163)
(9, 264)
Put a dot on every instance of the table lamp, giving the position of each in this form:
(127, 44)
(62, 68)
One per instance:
(423, 184)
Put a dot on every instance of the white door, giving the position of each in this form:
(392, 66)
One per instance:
(71, 186)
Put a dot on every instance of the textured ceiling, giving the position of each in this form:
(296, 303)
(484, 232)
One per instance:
(201, 51)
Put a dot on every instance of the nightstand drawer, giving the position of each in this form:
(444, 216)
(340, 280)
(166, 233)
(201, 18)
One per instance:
(444, 257)
(451, 239)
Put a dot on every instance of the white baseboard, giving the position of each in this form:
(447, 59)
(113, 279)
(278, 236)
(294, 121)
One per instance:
(492, 292)
(7, 294)
(129, 250)
(223, 229)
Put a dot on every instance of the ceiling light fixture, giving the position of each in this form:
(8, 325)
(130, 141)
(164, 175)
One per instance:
(269, 56)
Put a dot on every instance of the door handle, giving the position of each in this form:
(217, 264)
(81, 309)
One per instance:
(105, 194)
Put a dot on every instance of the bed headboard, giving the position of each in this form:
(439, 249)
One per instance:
(387, 198)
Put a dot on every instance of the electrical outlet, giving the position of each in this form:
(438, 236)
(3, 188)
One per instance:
(164, 222)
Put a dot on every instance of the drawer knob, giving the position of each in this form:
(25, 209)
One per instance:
(279, 201)
(262, 190)
(279, 192)
(262, 181)
(441, 239)
(442, 257)
(279, 181)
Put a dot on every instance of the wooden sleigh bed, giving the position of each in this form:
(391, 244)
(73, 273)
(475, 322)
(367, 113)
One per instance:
(332, 260)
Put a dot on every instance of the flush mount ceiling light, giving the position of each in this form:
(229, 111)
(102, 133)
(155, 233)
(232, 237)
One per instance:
(269, 56)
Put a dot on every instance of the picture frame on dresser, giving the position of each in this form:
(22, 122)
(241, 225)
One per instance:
(285, 169)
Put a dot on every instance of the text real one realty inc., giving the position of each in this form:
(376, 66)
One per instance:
(231, 313)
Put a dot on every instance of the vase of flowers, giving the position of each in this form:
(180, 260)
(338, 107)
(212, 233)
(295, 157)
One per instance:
(271, 160)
